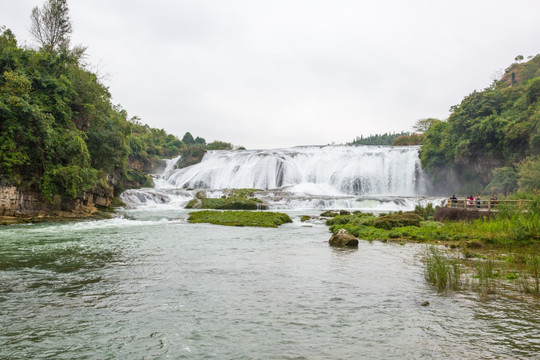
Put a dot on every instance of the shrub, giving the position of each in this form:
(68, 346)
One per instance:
(391, 221)
(452, 214)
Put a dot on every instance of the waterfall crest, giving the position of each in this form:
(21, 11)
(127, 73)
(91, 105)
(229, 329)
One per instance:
(326, 170)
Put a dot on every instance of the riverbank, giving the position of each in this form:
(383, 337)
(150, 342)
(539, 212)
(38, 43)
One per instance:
(59, 217)
(494, 252)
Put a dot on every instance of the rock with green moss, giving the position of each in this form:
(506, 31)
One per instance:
(330, 213)
(394, 220)
(240, 218)
(232, 203)
(343, 239)
(243, 192)
(234, 199)
(305, 218)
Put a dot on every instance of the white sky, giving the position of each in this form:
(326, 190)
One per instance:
(281, 73)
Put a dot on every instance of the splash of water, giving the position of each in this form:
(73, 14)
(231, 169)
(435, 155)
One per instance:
(328, 170)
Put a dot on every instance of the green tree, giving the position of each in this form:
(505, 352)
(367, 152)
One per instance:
(422, 125)
(529, 174)
(188, 139)
(505, 180)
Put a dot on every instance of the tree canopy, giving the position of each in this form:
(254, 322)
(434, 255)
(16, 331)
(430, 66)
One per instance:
(489, 135)
(60, 133)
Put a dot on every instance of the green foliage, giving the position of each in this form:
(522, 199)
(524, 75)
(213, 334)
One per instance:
(422, 125)
(529, 174)
(491, 129)
(426, 212)
(230, 203)
(240, 218)
(339, 220)
(190, 156)
(59, 132)
(382, 139)
(236, 199)
(512, 225)
(188, 139)
(408, 140)
(394, 220)
(219, 145)
(504, 181)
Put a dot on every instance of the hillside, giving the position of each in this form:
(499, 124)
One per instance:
(491, 140)
(62, 139)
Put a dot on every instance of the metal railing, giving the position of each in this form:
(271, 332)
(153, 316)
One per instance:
(483, 204)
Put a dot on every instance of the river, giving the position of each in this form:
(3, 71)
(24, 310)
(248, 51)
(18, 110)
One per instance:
(148, 285)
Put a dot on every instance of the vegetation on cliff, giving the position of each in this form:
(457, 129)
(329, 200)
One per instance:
(491, 141)
(60, 132)
(378, 139)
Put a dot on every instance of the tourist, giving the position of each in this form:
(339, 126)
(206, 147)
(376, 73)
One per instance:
(493, 201)
(470, 201)
(477, 200)
(453, 200)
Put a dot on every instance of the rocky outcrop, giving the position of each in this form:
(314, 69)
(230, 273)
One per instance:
(15, 202)
(343, 239)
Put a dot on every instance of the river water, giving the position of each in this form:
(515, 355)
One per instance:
(148, 285)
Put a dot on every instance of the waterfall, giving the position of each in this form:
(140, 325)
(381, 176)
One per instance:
(326, 170)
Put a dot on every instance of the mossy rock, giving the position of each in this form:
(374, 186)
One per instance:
(243, 192)
(234, 199)
(391, 221)
(305, 218)
(232, 203)
(339, 220)
(240, 218)
(330, 213)
(194, 204)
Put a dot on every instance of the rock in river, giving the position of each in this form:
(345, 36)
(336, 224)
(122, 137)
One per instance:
(342, 238)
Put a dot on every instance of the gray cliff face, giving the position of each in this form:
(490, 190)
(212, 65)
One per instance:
(19, 203)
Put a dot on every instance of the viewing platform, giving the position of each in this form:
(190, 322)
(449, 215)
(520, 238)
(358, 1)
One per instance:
(484, 205)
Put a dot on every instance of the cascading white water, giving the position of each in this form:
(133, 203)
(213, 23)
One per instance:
(378, 178)
(327, 170)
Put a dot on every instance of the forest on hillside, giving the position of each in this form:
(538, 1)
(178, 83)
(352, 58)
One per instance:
(491, 140)
(59, 131)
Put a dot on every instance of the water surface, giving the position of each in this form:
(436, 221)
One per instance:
(151, 285)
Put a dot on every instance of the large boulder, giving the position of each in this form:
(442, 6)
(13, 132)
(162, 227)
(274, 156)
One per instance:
(343, 239)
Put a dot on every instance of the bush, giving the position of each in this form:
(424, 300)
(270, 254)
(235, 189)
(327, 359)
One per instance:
(443, 214)
(425, 212)
(391, 221)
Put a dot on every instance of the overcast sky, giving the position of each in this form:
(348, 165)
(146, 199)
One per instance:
(279, 73)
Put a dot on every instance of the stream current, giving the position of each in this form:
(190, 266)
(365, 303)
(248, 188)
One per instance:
(147, 284)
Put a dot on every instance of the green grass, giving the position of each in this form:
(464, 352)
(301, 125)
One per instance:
(240, 218)
(510, 227)
(442, 270)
